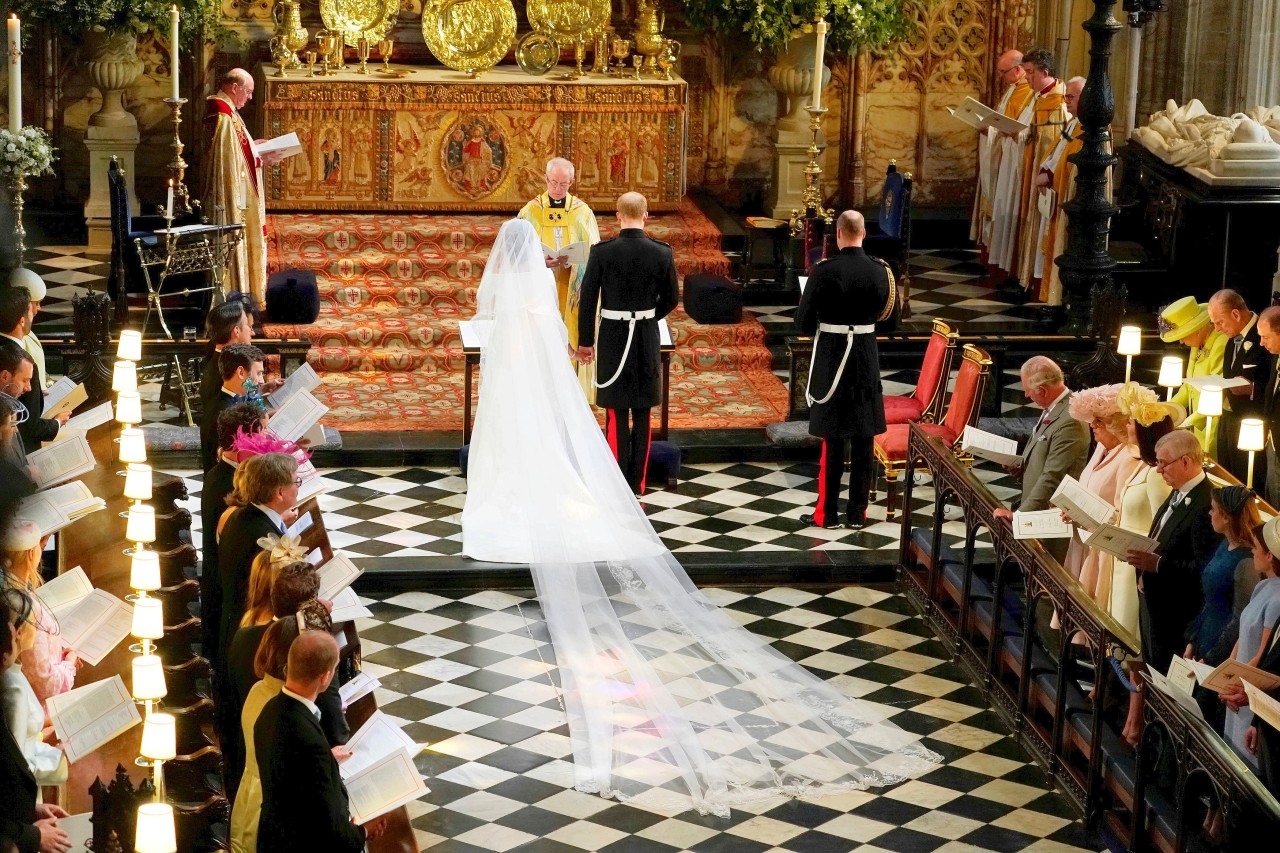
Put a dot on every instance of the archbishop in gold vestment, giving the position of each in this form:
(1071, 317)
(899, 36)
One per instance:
(233, 193)
(557, 227)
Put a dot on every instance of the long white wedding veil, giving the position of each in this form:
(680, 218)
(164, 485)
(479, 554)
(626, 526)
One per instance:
(671, 704)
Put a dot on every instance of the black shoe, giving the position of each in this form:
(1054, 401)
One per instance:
(809, 521)
(858, 523)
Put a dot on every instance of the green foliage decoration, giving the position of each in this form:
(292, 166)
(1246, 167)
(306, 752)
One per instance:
(771, 24)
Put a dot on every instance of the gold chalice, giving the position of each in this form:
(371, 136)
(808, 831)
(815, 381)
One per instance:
(310, 57)
(620, 48)
(362, 50)
(328, 43)
(384, 50)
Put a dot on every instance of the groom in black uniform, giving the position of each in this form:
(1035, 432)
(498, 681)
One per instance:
(633, 278)
(844, 298)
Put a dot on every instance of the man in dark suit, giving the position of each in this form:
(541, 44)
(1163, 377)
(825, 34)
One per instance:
(15, 322)
(241, 417)
(1169, 594)
(241, 367)
(1244, 357)
(266, 491)
(844, 298)
(224, 325)
(633, 278)
(304, 803)
(31, 826)
(1269, 375)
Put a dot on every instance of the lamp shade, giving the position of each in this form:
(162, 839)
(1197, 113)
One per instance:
(148, 678)
(1130, 342)
(148, 619)
(142, 524)
(144, 573)
(129, 408)
(1253, 434)
(1210, 402)
(133, 445)
(137, 482)
(124, 377)
(155, 832)
(159, 738)
(130, 348)
(1170, 372)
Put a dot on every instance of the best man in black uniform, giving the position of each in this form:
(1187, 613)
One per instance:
(633, 278)
(844, 298)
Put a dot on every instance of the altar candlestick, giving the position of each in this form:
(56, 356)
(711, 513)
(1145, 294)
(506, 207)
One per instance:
(15, 74)
(168, 207)
(173, 48)
(821, 29)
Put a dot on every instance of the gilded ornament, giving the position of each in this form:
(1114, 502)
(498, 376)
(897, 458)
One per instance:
(568, 20)
(356, 19)
(469, 35)
(537, 53)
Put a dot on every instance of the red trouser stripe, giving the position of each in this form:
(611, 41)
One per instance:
(611, 432)
(648, 442)
(820, 514)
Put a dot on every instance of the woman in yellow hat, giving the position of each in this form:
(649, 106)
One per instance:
(1188, 321)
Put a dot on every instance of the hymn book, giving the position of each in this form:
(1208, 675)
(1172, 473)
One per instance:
(1198, 382)
(1118, 542)
(1043, 524)
(979, 116)
(94, 624)
(380, 774)
(43, 512)
(1177, 694)
(336, 575)
(357, 688)
(286, 145)
(989, 446)
(88, 717)
(1264, 707)
(311, 486)
(61, 461)
(304, 378)
(1227, 676)
(85, 421)
(299, 413)
(1083, 507)
(572, 253)
(63, 396)
(347, 607)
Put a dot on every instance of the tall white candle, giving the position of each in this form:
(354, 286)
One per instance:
(15, 74)
(173, 47)
(168, 206)
(821, 28)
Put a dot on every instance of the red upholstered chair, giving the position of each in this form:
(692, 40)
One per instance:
(963, 410)
(925, 404)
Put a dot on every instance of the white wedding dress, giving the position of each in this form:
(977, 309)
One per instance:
(671, 704)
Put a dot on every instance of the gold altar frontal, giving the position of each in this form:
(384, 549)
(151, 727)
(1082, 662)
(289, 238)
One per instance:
(435, 140)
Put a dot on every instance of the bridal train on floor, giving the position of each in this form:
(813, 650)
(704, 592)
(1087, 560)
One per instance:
(671, 704)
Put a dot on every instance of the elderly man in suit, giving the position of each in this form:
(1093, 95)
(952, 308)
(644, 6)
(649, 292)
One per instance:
(304, 803)
(1058, 444)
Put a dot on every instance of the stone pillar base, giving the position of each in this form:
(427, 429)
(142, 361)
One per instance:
(792, 155)
(103, 143)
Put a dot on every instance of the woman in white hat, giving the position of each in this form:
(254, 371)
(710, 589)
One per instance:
(1187, 322)
(48, 663)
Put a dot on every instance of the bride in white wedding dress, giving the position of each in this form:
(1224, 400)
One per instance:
(671, 704)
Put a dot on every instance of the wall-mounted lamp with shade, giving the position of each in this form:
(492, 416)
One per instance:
(1209, 405)
(1129, 345)
(1253, 438)
(1170, 375)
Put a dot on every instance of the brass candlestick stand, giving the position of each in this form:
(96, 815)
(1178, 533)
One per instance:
(812, 196)
(18, 186)
(182, 203)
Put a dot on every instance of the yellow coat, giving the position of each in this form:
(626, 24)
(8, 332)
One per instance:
(1204, 361)
(1138, 500)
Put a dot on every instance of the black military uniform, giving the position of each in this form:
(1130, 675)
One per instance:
(1244, 356)
(848, 291)
(628, 275)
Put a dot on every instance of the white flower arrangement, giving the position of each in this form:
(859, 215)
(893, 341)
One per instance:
(29, 152)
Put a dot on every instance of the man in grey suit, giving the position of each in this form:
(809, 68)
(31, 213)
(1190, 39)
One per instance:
(1057, 446)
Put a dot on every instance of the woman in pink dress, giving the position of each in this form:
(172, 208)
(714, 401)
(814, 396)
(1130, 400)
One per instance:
(48, 664)
(1112, 463)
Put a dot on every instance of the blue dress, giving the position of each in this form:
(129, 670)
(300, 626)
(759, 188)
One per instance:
(1217, 581)
(1260, 614)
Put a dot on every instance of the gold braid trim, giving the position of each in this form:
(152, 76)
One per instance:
(893, 290)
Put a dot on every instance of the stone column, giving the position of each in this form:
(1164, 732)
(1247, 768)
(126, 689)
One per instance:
(792, 75)
(112, 66)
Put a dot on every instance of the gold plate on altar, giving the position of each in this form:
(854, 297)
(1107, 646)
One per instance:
(568, 20)
(469, 35)
(356, 19)
(394, 72)
(537, 53)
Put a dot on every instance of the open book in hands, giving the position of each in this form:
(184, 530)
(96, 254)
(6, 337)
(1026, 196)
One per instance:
(380, 774)
(990, 446)
(572, 254)
(979, 116)
(1081, 505)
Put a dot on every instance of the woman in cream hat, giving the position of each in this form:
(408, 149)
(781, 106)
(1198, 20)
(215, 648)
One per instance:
(1187, 321)
(49, 665)
(1138, 499)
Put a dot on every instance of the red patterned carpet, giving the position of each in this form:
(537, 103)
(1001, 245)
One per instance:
(393, 289)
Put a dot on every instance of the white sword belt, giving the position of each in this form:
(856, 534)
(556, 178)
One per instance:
(849, 333)
(630, 317)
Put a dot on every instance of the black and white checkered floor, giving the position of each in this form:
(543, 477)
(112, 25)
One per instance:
(473, 678)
